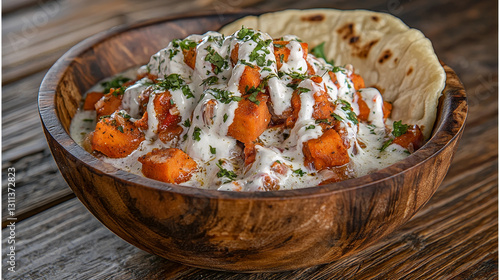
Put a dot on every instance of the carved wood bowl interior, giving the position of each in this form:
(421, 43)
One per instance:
(262, 231)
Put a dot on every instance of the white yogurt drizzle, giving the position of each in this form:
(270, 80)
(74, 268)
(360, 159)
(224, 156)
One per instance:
(212, 145)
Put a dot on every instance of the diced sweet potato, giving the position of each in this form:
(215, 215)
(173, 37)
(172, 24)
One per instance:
(335, 174)
(271, 183)
(333, 77)
(234, 54)
(357, 81)
(190, 57)
(249, 79)
(168, 117)
(116, 137)
(412, 140)
(293, 114)
(249, 153)
(250, 119)
(387, 109)
(109, 103)
(91, 99)
(281, 53)
(326, 151)
(364, 110)
(169, 165)
(323, 107)
(143, 122)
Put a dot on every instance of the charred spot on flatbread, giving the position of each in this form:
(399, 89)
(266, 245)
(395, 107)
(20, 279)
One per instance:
(347, 31)
(385, 56)
(410, 70)
(375, 18)
(317, 17)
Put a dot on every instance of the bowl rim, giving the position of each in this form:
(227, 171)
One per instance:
(53, 128)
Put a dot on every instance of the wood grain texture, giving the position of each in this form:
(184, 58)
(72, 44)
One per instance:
(464, 35)
(234, 231)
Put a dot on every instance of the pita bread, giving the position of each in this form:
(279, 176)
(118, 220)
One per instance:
(398, 60)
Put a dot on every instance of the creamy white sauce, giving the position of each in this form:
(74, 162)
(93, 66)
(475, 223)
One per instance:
(205, 139)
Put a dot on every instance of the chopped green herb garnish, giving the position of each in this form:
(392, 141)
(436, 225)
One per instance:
(210, 81)
(212, 150)
(196, 134)
(299, 172)
(114, 83)
(319, 51)
(399, 128)
(337, 117)
(323, 121)
(225, 117)
(187, 91)
(385, 145)
(253, 97)
(215, 58)
(224, 96)
(312, 126)
(228, 174)
(120, 128)
(187, 123)
(301, 90)
(352, 117)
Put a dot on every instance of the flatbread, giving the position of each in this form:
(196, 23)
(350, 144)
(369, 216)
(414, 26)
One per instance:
(398, 60)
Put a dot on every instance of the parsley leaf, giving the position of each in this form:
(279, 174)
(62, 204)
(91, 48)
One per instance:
(224, 96)
(319, 51)
(228, 174)
(196, 134)
(114, 83)
(385, 145)
(213, 150)
(210, 81)
(299, 172)
(399, 128)
(312, 126)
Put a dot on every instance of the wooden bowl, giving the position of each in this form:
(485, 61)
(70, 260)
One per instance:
(261, 231)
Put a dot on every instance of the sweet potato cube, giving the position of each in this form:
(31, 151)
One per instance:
(364, 110)
(234, 54)
(190, 57)
(281, 52)
(169, 165)
(116, 137)
(326, 151)
(412, 140)
(109, 103)
(357, 81)
(249, 79)
(387, 109)
(91, 99)
(250, 119)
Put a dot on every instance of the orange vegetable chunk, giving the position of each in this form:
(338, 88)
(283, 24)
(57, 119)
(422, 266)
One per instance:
(358, 81)
(91, 100)
(412, 140)
(250, 78)
(116, 137)
(169, 165)
(190, 57)
(387, 109)
(250, 119)
(364, 110)
(326, 151)
(109, 103)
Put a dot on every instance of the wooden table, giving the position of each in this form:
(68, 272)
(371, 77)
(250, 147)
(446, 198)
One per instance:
(454, 235)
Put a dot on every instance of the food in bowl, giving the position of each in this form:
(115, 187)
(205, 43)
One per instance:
(243, 112)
